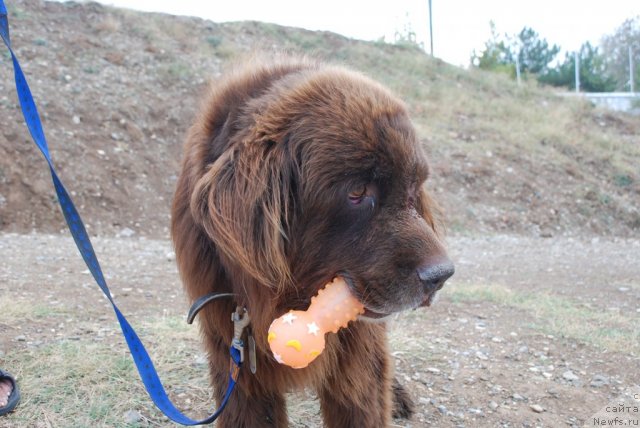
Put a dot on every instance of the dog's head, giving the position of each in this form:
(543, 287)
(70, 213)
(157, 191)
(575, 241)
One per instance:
(323, 175)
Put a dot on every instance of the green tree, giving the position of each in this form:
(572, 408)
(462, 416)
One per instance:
(495, 55)
(615, 48)
(594, 76)
(533, 52)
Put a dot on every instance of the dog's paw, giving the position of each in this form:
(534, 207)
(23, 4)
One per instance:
(403, 407)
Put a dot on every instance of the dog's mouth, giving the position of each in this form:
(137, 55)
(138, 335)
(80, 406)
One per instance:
(368, 312)
(376, 313)
(371, 314)
(430, 299)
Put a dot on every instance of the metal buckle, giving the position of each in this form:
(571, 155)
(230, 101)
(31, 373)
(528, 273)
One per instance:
(240, 320)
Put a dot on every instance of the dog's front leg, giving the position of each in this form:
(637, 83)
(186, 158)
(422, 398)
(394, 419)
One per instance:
(248, 408)
(359, 393)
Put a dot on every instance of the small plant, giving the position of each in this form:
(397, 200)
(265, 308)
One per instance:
(604, 199)
(214, 41)
(178, 70)
(622, 180)
(16, 12)
(89, 69)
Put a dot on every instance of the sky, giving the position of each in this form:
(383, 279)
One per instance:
(459, 26)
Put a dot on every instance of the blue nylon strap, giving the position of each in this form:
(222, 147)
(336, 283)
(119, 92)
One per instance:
(4, 24)
(140, 356)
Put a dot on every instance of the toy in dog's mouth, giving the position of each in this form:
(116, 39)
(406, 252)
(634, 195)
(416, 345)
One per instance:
(297, 337)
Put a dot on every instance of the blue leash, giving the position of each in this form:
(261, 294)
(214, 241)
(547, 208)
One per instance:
(138, 352)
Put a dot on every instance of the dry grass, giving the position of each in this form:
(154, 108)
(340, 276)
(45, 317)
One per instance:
(109, 24)
(611, 330)
(25, 310)
(92, 381)
(89, 380)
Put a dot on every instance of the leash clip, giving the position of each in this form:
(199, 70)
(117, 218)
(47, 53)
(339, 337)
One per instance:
(240, 320)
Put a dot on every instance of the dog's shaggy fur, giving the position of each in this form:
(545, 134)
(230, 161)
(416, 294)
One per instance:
(293, 172)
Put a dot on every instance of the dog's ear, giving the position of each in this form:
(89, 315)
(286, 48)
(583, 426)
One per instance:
(243, 202)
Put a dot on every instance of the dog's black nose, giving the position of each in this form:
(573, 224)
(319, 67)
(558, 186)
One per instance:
(433, 276)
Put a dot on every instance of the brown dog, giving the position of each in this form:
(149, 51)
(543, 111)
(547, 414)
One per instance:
(294, 172)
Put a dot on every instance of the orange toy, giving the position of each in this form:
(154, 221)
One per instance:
(297, 337)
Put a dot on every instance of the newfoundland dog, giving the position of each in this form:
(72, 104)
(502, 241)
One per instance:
(296, 171)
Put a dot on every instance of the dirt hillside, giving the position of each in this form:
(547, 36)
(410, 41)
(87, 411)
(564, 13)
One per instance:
(117, 90)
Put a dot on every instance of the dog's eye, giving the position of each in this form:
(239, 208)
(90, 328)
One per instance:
(357, 195)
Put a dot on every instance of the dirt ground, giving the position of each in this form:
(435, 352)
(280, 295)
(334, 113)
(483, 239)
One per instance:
(467, 362)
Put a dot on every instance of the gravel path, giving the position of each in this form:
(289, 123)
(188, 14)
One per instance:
(478, 361)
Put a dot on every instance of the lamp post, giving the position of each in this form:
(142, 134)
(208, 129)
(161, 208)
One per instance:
(631, 70)
(577, 66)
(431, 27)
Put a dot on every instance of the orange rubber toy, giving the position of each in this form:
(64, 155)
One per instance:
(297, 337)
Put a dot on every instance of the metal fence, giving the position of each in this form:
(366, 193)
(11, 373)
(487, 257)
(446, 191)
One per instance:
(618, 101)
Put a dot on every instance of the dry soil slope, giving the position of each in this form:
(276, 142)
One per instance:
(117, 89)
